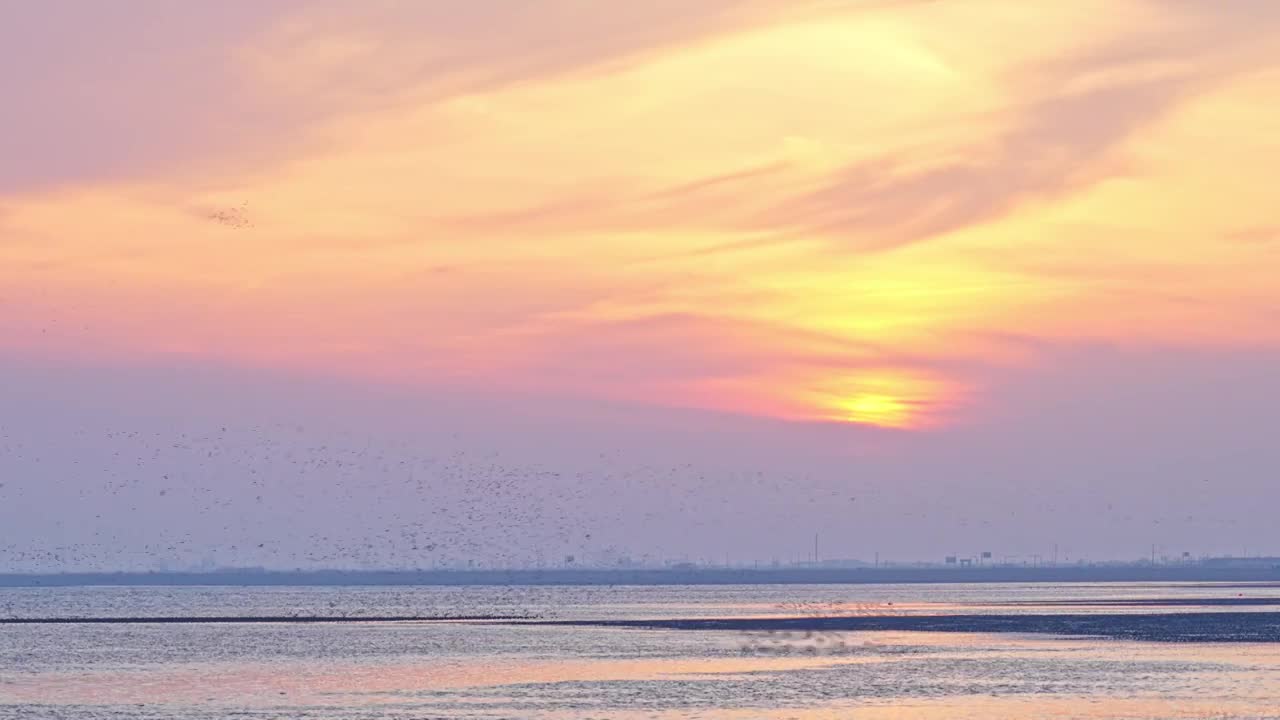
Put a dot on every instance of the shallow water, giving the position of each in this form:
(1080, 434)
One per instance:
(381, 671)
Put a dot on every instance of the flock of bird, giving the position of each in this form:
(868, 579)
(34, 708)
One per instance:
(289, 497)
(277, 497)
(235, 217)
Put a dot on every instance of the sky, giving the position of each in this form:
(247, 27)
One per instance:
(439, 283)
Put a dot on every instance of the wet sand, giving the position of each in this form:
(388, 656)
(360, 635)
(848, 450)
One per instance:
(1151, 602)
(378, 653)
(1189, 627)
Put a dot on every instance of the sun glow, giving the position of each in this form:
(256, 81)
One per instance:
(896, 399)
(877, 409)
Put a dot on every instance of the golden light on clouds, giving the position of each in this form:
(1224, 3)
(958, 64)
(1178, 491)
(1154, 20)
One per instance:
(822, 211)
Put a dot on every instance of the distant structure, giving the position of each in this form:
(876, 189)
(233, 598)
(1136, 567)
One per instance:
(1256, 563)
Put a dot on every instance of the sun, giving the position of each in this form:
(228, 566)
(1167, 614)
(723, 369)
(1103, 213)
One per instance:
(894, 399)
(876, 409)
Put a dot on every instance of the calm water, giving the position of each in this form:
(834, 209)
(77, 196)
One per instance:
(477, 670)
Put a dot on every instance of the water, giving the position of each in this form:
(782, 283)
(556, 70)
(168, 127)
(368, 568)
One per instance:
(372, 670)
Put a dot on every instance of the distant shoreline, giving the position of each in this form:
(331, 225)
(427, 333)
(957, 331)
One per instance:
(700, 576)
(256, 619)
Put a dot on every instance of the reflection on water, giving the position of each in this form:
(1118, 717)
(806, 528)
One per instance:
(383, 671)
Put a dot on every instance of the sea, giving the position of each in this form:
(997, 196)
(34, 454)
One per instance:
(372, 669)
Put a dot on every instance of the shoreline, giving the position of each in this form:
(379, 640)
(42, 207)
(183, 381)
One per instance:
(1187, 627)
(700, 576)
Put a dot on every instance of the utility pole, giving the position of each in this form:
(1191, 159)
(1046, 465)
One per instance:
(815, 549)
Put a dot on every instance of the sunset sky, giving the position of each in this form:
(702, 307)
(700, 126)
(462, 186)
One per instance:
(930, 234)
